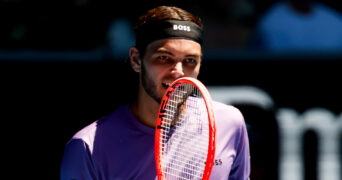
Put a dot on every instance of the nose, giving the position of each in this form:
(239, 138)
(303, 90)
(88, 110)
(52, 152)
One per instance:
(177, 70)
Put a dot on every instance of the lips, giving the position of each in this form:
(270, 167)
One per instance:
(166, 84)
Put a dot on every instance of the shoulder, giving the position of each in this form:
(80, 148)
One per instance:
(87, 134)
(231, 129)
(227, 115)
(225, 110)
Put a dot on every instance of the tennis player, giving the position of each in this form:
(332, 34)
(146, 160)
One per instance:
(121, 144)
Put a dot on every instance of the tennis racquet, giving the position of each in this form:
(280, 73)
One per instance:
(185, 132)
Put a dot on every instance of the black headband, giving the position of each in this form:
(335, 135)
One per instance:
(163, 29)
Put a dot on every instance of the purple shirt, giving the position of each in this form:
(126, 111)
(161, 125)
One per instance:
(118, 146)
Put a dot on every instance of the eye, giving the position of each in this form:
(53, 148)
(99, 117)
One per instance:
(163, 58)
(190, 61)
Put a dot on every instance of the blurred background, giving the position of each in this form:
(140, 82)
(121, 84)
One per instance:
(63, 65)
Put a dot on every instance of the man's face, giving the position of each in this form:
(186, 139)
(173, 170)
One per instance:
(167, 60)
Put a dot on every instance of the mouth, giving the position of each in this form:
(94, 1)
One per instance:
(166, 84)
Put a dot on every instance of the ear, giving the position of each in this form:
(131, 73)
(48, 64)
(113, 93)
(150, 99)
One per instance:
(135, 59)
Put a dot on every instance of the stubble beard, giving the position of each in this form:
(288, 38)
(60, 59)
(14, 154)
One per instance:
(149, 86)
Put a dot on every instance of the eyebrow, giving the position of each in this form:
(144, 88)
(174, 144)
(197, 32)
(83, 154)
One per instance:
(161, 51)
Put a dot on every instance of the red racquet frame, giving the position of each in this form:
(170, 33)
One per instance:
(212, 129)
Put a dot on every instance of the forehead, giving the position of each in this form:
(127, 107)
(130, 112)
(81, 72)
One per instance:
(176, 45)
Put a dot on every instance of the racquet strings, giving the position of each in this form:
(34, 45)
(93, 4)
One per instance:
(185, 137)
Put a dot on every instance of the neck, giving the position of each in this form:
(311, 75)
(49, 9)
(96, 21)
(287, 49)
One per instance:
(145, 108)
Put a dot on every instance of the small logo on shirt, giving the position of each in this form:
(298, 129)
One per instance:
(181, 27)
(217, 162)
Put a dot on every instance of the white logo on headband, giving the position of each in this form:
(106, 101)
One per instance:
(181, 27)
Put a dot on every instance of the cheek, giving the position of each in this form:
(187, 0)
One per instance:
(192, 72)
(155, 73)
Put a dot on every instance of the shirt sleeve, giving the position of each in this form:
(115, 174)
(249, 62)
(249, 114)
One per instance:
(241, 166)
(77, 162)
